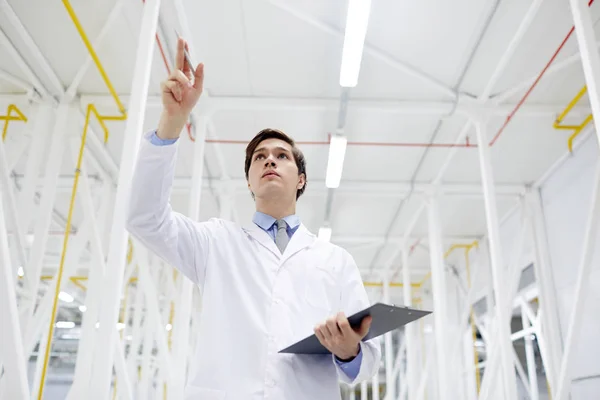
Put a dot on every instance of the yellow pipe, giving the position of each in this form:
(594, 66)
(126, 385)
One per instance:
(62, 256)
(392, 284)
(578, 131)
(9, 117)
(571, 105)
(75, 280)
(94, 56)
(575, 128)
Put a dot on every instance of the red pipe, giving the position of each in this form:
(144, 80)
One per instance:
(442, 145)
(508, 119)
(162, 53)
(376, 144)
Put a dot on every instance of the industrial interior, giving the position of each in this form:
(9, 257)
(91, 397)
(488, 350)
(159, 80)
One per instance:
(452, 149)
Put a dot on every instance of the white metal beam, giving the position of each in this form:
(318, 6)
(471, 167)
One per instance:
(103, 362)
(45, 209)
(12, 358)
(581, 289)
(184, 310)
(496, 260)
(438, 281)
(402, 107)
(368, 49)
(40, 60)
(112, 17)
(590, 59)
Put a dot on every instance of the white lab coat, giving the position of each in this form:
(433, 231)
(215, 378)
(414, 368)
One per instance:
(256, 301)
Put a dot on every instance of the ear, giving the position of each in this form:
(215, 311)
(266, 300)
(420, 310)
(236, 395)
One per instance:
(301, 181)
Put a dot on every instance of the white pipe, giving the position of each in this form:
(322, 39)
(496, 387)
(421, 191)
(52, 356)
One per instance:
(103, 363)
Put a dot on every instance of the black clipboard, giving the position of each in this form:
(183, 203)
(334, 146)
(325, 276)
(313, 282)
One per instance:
(385, 319)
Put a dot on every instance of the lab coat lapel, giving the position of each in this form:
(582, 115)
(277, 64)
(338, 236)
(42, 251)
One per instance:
(263, 238)
(299, 241)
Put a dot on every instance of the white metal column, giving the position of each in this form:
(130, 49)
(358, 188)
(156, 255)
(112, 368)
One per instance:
(549, 323)
(531, 369)
(184, 310)
(496, 260)
(12, 357)
(590, 59)
(390, 381)
(103, 363)
(45, 209)
(581, 289)
(438, 282)
(409, 329)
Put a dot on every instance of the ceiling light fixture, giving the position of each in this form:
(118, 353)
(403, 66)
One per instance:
(335, 163)
(357, 21)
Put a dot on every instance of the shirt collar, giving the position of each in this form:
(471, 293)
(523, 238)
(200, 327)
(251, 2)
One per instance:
(266, 221)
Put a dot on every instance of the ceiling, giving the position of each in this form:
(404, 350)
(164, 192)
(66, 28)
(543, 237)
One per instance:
(276, 64)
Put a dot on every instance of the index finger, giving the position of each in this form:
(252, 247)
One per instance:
(179, 58)
(344, 324)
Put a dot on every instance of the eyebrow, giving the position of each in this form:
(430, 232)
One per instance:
(264, 148)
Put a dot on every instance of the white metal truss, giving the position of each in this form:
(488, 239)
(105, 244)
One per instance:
(152, 309)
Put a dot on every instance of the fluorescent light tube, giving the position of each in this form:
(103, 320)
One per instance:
(20, 271)
(335, 164)
(65, 324)
(66, 297)
(357, 21)
(325, 233)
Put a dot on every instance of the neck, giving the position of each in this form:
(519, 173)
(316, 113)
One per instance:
(276, 208)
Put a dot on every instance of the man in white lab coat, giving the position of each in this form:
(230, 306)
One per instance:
(264, 286)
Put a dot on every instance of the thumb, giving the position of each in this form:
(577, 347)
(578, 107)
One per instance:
(199, 77)
(364, 326)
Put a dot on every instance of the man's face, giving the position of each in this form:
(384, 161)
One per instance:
(273, 171)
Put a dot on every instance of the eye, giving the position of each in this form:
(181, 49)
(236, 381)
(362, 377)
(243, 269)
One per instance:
(258, 157)
(283, 155)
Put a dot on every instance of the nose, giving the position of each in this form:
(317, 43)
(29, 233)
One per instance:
(270, 161)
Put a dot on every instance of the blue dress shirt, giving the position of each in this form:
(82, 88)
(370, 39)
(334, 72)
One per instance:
(267, 224)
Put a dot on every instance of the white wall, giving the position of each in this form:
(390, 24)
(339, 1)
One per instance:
(566, 198)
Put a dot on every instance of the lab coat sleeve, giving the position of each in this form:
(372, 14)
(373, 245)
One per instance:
(354, 298)
(177, 239)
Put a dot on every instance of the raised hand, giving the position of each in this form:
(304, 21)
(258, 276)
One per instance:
(339, 338)
(180, 93)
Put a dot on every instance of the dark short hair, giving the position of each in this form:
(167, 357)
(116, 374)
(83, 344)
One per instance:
(277, 134)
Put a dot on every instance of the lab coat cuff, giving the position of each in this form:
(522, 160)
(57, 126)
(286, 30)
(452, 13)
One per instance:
(155, 140)
(351, 368)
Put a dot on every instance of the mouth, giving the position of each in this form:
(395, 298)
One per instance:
(270, 173)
